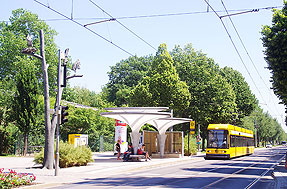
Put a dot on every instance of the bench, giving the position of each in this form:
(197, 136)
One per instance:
(137, 157)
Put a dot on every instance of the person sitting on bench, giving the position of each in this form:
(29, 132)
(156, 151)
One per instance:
(129, 152)
(141, 151)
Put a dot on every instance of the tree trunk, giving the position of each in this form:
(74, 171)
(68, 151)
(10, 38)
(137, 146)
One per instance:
(50, 125)
(25, 144)
(2, 142)
(49, 132)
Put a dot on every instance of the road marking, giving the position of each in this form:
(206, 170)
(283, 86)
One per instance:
(251, 184)
(264, 173)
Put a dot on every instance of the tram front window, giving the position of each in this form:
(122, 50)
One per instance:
(217, 139)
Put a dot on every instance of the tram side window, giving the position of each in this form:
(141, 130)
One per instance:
(240, 141)
(237, 141)
(232, 140)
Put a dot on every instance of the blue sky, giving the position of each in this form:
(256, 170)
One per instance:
(203, 29)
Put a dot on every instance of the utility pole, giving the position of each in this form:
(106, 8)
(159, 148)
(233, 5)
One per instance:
(58, 112)
(62, 77)
(198, 141)
(255, 133)
(188, 140)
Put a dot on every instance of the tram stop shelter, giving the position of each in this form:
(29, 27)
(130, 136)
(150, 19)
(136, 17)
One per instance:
(162, 124)
(136, 117)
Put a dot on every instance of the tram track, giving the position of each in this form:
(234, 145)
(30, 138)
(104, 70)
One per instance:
(240, 159)
(256, 167)
(245, 168)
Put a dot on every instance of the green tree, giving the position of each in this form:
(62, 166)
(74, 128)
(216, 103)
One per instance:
(275, 43)
(13, 40)
(212, 97)
(268, 129)
(85, 97)
(245, 100)
(162, 86)
(26, 100)
(124, 76)
(7, 91)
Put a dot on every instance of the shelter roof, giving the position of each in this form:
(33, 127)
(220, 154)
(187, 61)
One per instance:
(137, 109)
(136, 119)
(162, 124)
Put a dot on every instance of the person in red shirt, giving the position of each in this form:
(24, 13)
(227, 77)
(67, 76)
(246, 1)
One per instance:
(141, 151)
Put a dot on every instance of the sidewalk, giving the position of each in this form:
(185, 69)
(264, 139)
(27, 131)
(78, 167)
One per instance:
(105, 164)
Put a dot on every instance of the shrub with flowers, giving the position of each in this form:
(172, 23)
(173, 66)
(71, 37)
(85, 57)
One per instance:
(12, 179)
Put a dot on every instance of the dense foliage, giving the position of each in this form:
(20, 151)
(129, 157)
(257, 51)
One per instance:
(162, 86)
(192, 145)
(268, 128)
(13, 36)
(245, 100)
(7, 128)
(218, 95)
(20, 76)
(275, 43)
(124, 76)
(25, 103)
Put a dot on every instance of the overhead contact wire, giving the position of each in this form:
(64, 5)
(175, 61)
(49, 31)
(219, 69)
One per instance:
(235, 49)
(241, 41)
(123, 25)
(84, 27)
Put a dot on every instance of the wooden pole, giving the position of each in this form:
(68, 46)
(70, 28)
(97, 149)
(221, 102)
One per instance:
(49, 134)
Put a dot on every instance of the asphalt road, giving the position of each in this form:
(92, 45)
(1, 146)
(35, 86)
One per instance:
(252, 171)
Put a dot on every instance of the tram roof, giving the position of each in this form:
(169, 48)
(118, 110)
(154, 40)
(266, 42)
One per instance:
(229, 127)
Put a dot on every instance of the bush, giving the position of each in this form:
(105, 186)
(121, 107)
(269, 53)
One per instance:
(12, 179)
(192, 145)
(69, 155)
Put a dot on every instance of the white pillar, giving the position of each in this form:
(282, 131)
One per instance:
(135, 138)
(161, 137)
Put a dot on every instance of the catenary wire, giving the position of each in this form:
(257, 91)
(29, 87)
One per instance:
(240, 57)
(123, 25)
(241, 41)
(84, 27)
(158, 15)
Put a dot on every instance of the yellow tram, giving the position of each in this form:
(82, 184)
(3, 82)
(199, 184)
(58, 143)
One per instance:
(228, 141)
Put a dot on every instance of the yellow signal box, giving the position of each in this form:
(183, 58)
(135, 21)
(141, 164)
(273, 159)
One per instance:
(192, 127)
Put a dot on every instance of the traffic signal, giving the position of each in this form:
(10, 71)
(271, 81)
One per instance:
(64, 114)
(64, 75)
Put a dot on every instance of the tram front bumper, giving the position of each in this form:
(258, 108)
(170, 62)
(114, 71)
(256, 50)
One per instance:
(217, 156)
